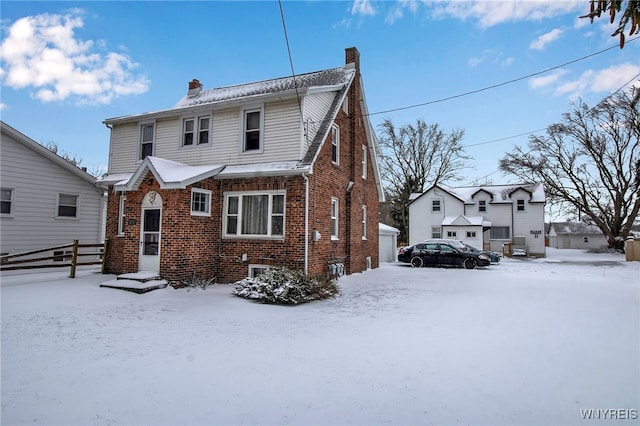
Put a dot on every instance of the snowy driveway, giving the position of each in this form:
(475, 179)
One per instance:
(521, 342)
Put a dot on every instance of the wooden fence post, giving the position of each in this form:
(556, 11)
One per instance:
(74, 259)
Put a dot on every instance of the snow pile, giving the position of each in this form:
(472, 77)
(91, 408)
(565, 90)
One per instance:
(285, 287)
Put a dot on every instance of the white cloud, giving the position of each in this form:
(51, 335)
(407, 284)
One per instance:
(3, 106)
(546, 80)
(541, 42)
(42, 53)
(362, 7)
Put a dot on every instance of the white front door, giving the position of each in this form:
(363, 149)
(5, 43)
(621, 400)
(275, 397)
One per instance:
(150, 233)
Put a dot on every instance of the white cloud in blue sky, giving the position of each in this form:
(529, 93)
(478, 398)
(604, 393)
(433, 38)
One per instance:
(541, 42)
(43, 53)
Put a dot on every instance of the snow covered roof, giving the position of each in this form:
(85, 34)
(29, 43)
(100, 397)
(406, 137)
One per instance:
(463, 220)
(263, 169)
(387, 230)
(498, 193)
(581, 228)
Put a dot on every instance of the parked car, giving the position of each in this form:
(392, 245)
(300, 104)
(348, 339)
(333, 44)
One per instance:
(495, 257)
(446, 254)
(404, 253)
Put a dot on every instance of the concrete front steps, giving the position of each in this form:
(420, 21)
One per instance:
(137, 282)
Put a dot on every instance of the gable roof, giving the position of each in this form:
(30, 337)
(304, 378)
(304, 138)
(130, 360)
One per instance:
(575, 228)
(498, 193)
(45, 152)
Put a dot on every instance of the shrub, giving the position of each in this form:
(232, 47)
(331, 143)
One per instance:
(286, 287)
(195, 281)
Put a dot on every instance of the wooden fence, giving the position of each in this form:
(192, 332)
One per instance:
(632, 250)
(24, 260)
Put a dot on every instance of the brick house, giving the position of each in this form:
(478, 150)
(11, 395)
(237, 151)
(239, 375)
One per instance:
(236, 179)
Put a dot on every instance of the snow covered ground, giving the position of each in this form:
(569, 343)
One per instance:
(522, 342)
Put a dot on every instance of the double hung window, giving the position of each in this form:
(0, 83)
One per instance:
(147, 135)
(67, 205)
(482, 206)
(122, 217)
(334, 218)
(435, 205)
(436, 232)
(364, 222)
(520, 205)
(252, 134)
(255, 214)
(6, 201)
(196, 133)
(200, 202)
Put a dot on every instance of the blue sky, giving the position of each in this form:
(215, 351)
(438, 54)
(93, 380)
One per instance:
(67, 66)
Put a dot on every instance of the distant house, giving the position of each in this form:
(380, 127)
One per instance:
(388, 243)
(233, 180)
(45, 200)
(575, 235)
(485, 217)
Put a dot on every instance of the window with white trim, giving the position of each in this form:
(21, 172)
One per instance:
(255, 214)
(6, 201)
(364, 162)
(452, 234)
(520, 205)
(252, 130)
(364, 222)
(195, 135)
(122, 216)
(334, 218)
(482, 206)
(471, 234)
(147, 136)
(200, 202)
(436, 232)
(586, 239)
(335, 144)
(67, 205)
(435, 205)
(500, 233)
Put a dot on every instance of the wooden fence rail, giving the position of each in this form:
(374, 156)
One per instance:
(11, 262)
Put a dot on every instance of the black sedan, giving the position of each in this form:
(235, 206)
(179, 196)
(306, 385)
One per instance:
(405, 253)
(445, 254)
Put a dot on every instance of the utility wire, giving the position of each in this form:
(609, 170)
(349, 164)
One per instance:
(448, 98)
(293, 74)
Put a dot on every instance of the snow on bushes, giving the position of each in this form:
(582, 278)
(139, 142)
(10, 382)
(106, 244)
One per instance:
(285, 287)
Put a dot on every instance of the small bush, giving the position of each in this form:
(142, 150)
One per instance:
(195, 282)
(285, 287)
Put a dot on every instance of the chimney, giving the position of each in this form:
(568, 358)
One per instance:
(352, 56)
(194, 88)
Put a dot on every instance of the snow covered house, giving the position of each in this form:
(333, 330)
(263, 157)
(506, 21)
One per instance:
(485, 217)
(236, 179)
(576, 235)
(45, 200)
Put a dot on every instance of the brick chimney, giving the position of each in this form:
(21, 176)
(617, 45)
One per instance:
(194, 88)
(352, 56)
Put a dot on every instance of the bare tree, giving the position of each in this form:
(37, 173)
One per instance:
(629, 16)
(414, 157)
(95, 171)
(591, 162)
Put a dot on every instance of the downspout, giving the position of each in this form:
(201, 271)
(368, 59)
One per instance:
(306, 223)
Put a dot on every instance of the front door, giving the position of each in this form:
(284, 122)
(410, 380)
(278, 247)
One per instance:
(150, 233)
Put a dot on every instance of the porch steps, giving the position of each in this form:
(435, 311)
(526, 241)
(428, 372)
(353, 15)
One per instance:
(137, 282)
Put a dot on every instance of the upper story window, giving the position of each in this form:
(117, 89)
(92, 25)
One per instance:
(345, 105)
(482, 206)
(195, 130)
(255, 214)
(334, 218)
(200, 202)
(68, 205)
(147, 135)
(252, 130)
(335, 144)
(435, 205)
(520, 205)
(364, 162)
(122, 217)
(6, 201)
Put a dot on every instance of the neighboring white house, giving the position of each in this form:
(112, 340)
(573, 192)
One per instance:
(485, 217)
(388, 242)
(45, 200)
(575, 235)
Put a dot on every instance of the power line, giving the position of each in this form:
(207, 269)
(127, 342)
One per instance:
(494, 86)
(293, 74)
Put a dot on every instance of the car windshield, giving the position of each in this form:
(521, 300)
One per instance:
(471, 248)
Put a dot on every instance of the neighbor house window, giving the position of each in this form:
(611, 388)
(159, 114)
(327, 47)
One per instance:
(334, 218)
(335, 144)
(193, 134)
(254, 214)
(436, 232)
(364, 222)
(435, 205)
(520, 205)
(252, 133)
(364, 162)
(147, 134)
(482, 206)
(122, 217)
(586, 239)
(500, 233)
(471, 234)
(452, 234)
(6, 201)
(200, 202)
(67, 205)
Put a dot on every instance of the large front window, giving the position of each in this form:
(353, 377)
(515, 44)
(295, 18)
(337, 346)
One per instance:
(500, 233)
(147, 134)
(255, 214)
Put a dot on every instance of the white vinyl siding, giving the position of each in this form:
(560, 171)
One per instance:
(123, 151)
(34, 224)
(315, 109)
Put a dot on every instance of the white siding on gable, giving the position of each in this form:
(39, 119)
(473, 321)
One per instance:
(422, 218)
(281, 131)
(36, 182)
(123, 151)
(315, 109)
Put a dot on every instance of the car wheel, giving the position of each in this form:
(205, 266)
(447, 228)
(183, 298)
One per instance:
(469, 263)
(416, 262)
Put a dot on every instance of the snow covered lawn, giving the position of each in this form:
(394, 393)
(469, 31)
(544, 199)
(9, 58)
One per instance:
(521, 342)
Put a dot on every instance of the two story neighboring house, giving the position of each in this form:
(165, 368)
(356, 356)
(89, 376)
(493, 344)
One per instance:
(45, 200)
(485, 217)
(233, 180)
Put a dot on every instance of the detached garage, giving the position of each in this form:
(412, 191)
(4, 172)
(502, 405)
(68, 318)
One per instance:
(388, 237)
